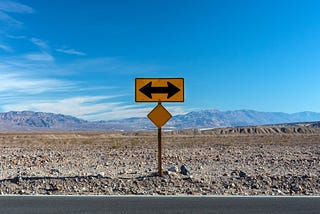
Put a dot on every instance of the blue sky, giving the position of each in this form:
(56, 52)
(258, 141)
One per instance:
(81, 57)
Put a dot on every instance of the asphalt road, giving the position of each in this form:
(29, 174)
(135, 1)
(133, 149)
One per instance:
(145, 204)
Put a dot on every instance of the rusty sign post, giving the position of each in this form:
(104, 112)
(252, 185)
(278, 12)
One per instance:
(159, 153)
(159, 90)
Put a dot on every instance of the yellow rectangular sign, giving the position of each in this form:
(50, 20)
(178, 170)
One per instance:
(159, 90)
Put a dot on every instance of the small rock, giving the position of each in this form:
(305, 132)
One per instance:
(17, 179)
(255, 186)
(234, 173)
(173, 169)
(59, 187)
(295, 187)
(53, 171)
(101, 175)
(24, 192)
(12, 186)
(173, 174)
(189, 179)
(184, 170)
(163, 180)
(48, 187)
(148, 170)
(280, 192)
(242, 174)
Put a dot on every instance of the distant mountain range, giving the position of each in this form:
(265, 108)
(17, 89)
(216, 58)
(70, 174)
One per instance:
(216, 118)
(205, 119)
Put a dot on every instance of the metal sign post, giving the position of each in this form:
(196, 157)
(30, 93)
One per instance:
(159, 153)
(159, 90)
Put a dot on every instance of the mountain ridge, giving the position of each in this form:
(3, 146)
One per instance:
(203, 119)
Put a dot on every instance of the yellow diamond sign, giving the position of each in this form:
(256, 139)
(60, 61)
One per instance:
(159, 116)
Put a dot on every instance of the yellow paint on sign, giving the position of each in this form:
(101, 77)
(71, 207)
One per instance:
(159, 90)
(159, 116)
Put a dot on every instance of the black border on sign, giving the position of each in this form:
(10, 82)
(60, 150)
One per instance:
(151, 101)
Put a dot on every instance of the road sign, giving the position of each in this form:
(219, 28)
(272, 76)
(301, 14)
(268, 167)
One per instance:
(159, 90)
(159, 116)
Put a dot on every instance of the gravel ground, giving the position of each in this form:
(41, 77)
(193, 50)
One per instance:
(118, 164)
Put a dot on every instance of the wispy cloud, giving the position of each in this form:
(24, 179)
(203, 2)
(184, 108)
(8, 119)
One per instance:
(24, 86)
(7, 7)
(19, 84)
(71, 51)
(15, 37)
(14, 7)
(121, 111)
(85, 105)
(39, 57)
(6, 48)
(24, 65)
(176, 110)
(40, 43)
(8, 20)
(21, 76)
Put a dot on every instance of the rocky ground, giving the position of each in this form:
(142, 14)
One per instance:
(194, 163)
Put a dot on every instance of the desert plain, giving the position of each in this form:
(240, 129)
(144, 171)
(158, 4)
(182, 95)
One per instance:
(234, 161)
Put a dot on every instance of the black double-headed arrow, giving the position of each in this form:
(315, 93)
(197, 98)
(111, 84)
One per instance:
(148, 90)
